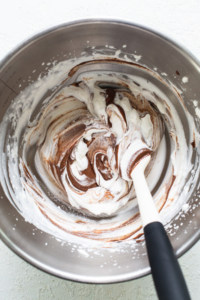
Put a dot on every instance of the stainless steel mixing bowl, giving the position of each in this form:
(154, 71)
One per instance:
(24, 65)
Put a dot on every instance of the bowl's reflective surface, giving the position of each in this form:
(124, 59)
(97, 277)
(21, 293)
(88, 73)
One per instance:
(64, 42)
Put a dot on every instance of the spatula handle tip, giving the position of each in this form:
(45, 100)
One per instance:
(167, 275)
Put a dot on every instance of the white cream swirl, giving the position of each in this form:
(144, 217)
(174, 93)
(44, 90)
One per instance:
(70, 153)
(88, 139)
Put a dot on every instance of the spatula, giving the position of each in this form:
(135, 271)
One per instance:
(167, 275)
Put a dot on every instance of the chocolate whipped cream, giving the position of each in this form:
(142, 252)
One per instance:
(69, 161)
(88, 139)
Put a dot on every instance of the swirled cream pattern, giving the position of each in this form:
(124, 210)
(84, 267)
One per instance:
(76, 152)
(88, 140)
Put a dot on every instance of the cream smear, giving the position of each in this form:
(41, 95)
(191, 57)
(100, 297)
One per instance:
(71, 139)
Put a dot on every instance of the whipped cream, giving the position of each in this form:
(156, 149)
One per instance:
(71, 145)
(87, 140)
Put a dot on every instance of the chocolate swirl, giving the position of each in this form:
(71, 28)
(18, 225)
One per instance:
(70, 152)
(89, 137)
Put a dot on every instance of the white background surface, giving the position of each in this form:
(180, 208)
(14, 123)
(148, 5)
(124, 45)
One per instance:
(19, 20)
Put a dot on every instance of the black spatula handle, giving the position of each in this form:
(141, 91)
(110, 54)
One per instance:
(167, 275)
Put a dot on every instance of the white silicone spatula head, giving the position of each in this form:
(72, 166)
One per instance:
(146, 204)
